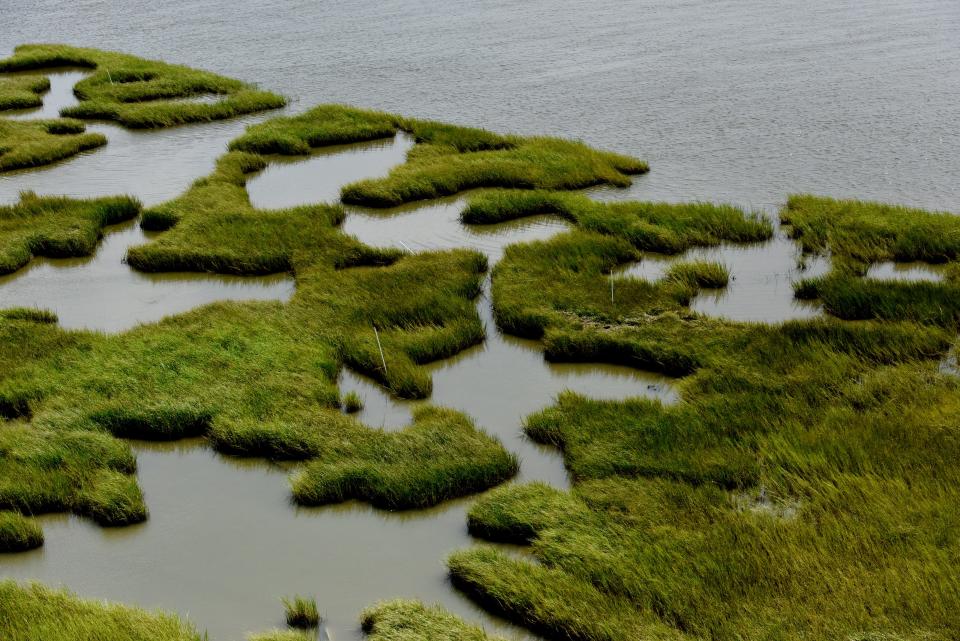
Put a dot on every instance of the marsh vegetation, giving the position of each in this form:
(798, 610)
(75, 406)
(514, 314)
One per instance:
(804, 486)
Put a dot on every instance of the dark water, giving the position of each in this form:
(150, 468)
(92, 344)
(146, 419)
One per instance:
(741, 102)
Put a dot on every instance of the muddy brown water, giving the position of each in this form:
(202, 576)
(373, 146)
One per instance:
(794, 102)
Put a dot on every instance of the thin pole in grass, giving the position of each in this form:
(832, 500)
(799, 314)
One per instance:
(404, 245)
(380, 347)
(611, 287)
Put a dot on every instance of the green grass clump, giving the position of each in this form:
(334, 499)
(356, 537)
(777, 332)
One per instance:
(648, 226)
(301, 612)
(141, 93)
(56, 227)
(409, 620)
(22, 92)
(436, 170)
(352, 403)
(34, 143)
(18, 533)
(321, 126)
(32, 612)
(440, 456)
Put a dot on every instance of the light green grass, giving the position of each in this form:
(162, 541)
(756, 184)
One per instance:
(22, 92)
(142, 93)
(33, 143)
(352, 403)
(56, 227)
(34, 612)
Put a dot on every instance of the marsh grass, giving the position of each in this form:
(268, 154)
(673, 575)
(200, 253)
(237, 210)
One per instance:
(649, 226)
(18, 533)
(255, 379)
(301, 612)
(282, 635)
(141, 93)
(56, 227)
(31, 612)
(22, 92)
(800, 488)
(33, 143)
(409, 620)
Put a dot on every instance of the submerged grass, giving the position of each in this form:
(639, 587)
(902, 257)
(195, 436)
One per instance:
(22, 92)
(56, 227)
(18, 533)
(142, 93)
(33, 143)
(33, 612)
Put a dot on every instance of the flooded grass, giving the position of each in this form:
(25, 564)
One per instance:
(137, 93)
(33, 143)
(30, 612)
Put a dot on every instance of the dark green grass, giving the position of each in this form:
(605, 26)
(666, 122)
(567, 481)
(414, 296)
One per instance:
(56, 227)
(33, 143)
(22, 92)
(301, 612)
(18, 533)
(648, 226)
(408, 620)
(321, 126)
(33, 612)
(141, 93)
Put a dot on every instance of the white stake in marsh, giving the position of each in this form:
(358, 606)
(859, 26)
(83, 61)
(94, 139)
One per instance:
(380, 347)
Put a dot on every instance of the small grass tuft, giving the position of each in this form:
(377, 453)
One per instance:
(301, 612)
(408, 620)
(352, 403)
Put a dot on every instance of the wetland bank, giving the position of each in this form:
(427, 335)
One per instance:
(802, 463)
